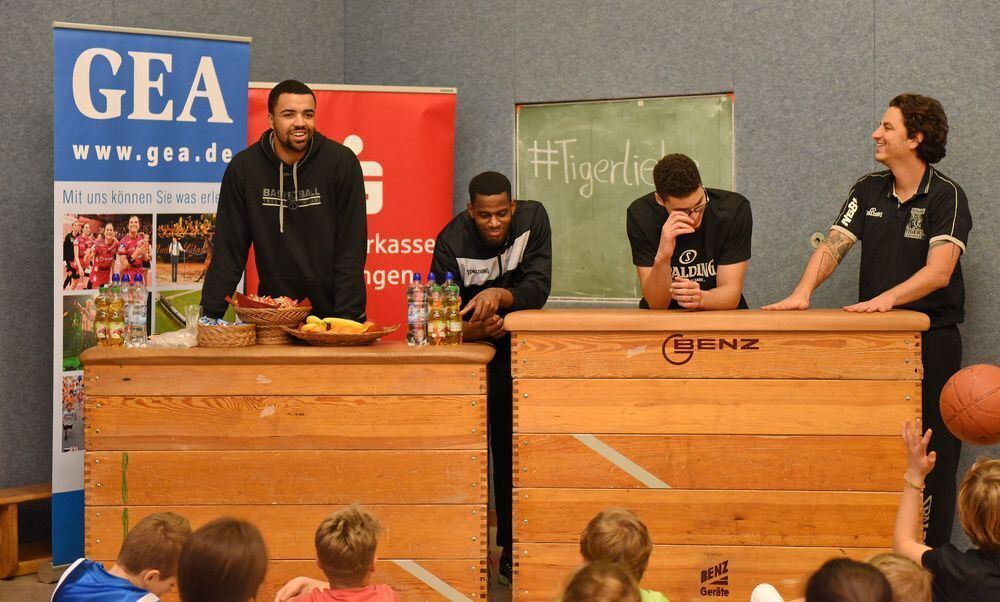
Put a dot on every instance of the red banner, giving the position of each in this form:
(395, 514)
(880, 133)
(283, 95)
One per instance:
(405, 140)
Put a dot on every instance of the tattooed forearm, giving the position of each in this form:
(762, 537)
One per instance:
(839, 244)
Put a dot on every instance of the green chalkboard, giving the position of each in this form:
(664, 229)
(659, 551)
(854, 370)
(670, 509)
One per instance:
(587, 161)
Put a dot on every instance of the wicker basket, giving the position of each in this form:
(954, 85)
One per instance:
(273, 316)
(242, 335)
(273, 335)
(336, 339)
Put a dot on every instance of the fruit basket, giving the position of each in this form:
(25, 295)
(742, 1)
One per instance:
(271, 312)
(341, 339)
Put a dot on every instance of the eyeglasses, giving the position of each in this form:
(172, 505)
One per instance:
(699, 208)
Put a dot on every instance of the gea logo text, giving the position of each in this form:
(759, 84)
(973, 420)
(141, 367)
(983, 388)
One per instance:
(678, 349)
(204, 85)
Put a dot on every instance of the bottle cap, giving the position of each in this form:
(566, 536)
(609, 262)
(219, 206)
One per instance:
(138, 278)
(125, 279)
(416, 277)
(431, 277)
(115, 278)
(448, 276)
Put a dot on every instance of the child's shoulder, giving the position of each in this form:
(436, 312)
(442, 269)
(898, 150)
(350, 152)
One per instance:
(648, 595)
(85, 579)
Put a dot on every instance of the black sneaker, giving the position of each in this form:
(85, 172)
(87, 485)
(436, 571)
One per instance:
(506, 571)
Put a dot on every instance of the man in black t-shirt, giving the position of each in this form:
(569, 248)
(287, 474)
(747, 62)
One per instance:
(914, 223)
(690, 244)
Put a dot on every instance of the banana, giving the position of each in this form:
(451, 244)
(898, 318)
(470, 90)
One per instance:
(344, 325)
(314, 320)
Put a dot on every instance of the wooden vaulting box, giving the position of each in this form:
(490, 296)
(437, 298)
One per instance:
(754, 445)
(283, 436)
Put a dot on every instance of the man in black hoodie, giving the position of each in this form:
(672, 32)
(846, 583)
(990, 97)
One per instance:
(500, 253)
(300, 199)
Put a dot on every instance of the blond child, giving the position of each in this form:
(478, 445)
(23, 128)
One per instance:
(617, 535)
(969, 576)
(601, 582)
(145, 569)
(909, 581)
(223, 561)
(345, 551)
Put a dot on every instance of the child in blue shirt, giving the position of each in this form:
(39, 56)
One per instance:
(146, 567)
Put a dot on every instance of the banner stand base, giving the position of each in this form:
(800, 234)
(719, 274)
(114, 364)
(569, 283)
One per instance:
(50, 573)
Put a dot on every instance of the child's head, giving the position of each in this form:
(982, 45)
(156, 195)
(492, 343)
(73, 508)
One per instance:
(345, 546)
(909, 581)
(617, 535)
(979, 504)
(151, 550)
(845, 580)
(223, 561)
(601, 582)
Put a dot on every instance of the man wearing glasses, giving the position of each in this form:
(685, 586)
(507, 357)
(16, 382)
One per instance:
(690, 244)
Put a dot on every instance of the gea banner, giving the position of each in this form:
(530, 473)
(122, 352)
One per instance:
(145, 123)
(404, 138)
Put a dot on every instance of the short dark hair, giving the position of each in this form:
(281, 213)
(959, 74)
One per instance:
(289, 86)
(345, 545)
(843, 579)
(223, 561)
(925, 115)
(155, 543)
(617, 535)
(488, 183)
(676, 175)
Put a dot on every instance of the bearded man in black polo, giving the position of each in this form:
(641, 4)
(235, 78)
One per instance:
(690, 244)
(914, 225)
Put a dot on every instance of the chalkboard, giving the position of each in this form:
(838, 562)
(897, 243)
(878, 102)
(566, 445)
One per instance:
(587, 161)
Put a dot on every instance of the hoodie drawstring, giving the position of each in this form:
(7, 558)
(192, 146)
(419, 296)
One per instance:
(281, 196)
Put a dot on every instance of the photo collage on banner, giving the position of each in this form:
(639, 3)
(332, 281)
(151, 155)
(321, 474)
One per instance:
(145, 123)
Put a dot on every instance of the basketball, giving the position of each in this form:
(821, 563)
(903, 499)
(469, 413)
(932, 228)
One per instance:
(970, 404)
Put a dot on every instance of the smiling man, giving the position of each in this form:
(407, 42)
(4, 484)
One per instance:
(300, 199)
(690, 244)
(500, 252)
(914, 225)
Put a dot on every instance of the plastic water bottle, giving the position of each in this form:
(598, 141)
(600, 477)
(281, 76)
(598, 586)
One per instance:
(135, 315)
(436, 325)
(125, 289)
(452, 313)
(101, 317)
(116, 318)
(416, 313)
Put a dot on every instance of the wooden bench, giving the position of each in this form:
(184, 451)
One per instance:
(20, 558)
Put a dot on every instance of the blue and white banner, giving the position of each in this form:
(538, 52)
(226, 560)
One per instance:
(145, 123)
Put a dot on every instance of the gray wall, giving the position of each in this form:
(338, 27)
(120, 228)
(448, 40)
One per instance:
(304, 42)
(810, 80)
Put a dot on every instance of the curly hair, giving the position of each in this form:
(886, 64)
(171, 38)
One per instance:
(676, 175)
(925, 115)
